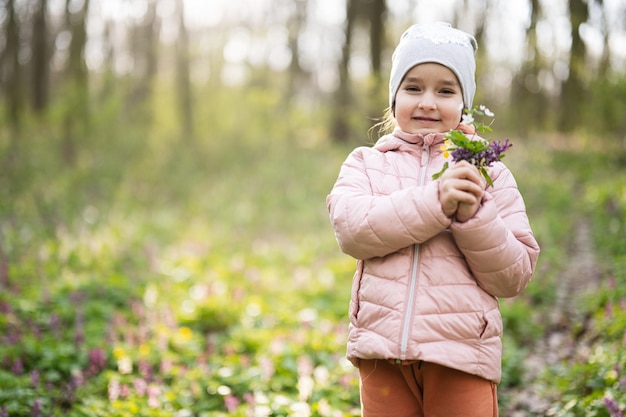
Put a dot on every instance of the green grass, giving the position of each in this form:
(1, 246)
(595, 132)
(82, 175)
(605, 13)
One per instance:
(160, 278)
(173, 283)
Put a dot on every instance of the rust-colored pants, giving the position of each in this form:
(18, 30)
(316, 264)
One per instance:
(424, 389)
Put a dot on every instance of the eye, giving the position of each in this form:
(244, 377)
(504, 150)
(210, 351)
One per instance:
(448, 91)
(412, 88)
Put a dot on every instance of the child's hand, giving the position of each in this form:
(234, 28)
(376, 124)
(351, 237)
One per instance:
(461, 190)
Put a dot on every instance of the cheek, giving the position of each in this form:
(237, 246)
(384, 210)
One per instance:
(403, 104)
(456, 114)
(453, 118)
(399, 108)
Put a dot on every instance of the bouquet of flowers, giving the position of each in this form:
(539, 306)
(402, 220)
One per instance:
(474, 149)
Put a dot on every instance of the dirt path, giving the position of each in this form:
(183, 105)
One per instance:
(579, 277)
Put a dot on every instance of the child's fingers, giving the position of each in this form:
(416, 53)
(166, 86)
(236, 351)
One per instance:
(465, 170)
(454, 191)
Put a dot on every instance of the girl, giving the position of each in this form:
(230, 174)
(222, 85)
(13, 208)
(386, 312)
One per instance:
(425, 324)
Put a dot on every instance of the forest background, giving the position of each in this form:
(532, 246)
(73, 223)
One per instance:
(164, 242)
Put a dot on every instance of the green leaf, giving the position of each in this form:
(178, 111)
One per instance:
(440, 173)
(483, 171)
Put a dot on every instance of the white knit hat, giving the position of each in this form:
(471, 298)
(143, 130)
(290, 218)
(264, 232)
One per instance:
(439, 43)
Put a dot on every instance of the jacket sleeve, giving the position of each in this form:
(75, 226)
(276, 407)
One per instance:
(367, 225)
(498, 242)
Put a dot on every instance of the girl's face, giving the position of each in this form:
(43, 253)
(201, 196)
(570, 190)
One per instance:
(429, 100)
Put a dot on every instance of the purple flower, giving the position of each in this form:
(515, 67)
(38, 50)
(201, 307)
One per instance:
(114, 390)
(36, 410)
(231, 402)
(55, 324)
(145, 369)
(613, 407)
(77, 380)
(462, 154)
(5, 308)
(34, 378)
(13, 336)
(141, 386)
(500, 147)
(18, 367)
(153, 396)
(473, 149)
(484, 157)
(97, 361)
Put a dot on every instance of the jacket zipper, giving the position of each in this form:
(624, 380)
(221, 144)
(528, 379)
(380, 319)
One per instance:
(413, 282)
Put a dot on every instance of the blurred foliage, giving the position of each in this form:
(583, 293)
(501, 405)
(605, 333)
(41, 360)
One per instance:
(147, 273)
(158, 276)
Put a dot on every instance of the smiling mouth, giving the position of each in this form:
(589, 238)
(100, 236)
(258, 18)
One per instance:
(425, 119)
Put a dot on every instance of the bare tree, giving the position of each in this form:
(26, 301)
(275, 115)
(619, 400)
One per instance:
(526, 92)
(76, 23)
(376, 18)
(573, 89)
(373, 13)
(76, 117)
(144, 40)
(605, 60)
(295, 25)
(183, 82)
(108, 64)
(377, 13)
(11, 71)
(40, 57)
(340, 128)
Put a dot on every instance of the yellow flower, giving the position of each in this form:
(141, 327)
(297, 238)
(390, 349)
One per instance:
(119, 352)
(185, 333)
(445, 148)
(144, 349)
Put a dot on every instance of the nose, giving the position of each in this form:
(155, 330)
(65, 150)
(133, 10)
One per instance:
(427, 101)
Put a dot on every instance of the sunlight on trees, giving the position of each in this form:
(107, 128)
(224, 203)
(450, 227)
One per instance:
(535, 52)
(164, 244)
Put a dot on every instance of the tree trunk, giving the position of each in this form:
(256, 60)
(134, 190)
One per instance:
(182, 76)
(340, 128)
(377, 17)
(41, 55)
(11, 68)
(605, 60)
(529, 99)
(77, 24)
(573, 89)
(144, 47)
(76, 117)
(107, 88)
(295, 28)
(378, 11)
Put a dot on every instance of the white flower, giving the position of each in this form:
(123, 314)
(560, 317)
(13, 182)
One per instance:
(125, 365)
(467, 119)
(485, 110)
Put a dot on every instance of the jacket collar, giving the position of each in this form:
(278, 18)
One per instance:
(399, 139)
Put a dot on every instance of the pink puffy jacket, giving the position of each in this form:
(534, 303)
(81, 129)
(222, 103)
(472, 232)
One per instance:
(425, 286)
